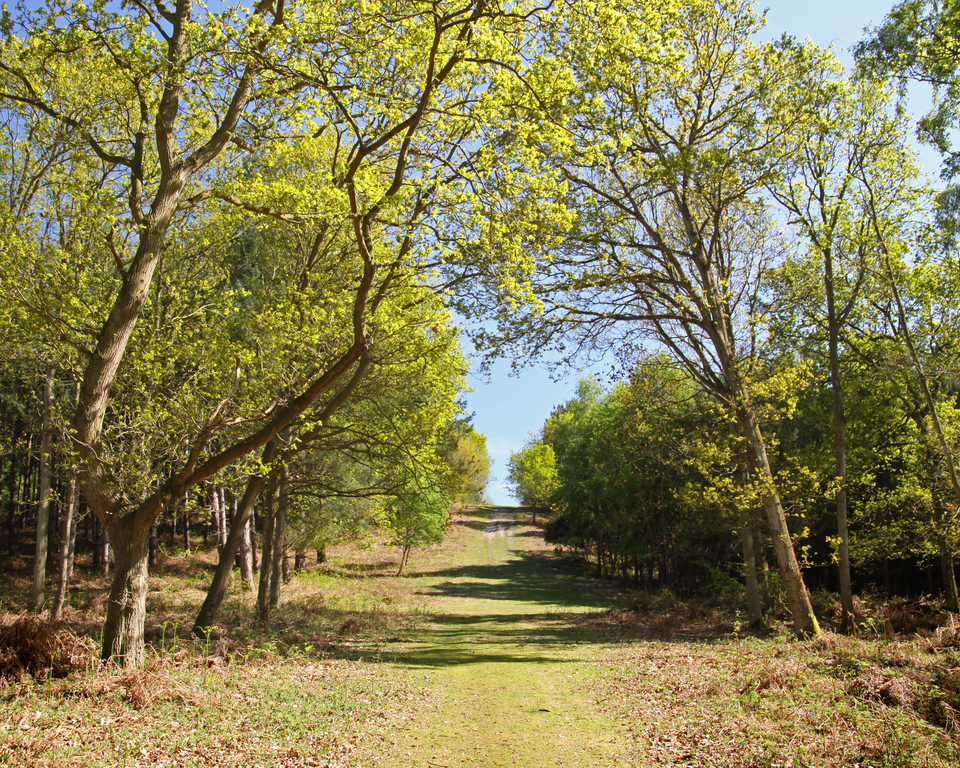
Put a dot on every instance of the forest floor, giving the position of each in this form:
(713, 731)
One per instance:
(490, 652)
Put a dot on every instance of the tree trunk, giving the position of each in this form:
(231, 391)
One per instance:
(266, 554)
(404, 554)
(12, 492)
(246, 553)
(225, 517)
(942, 525)
(221, 577)
(949, 578)
(804, 621)
(754, 608)
(215, 513)
(299, 561)
(127, 608)
(254, 555)
(279, 545)
(43, 506)
(68, 535)
(72, 552)
(840, 448)
(103, 551)
(152, 557)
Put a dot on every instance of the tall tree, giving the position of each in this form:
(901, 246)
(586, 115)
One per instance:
(666, 145)
(828, 163)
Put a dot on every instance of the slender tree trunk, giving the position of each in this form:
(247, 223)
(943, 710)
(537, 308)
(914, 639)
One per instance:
(43, 507)
(68, 529)
(254, 554)
(152, 558)
(949, 577)
(804, 621)
(215, 513)
(72, 551)
(225, 519)
(246, 552)
(53, 525)
(266, 554)
(404, 554)
(103, 550)
(279, 549)
(946, 554)
(754, 607)
(840, 448)
(12, 492)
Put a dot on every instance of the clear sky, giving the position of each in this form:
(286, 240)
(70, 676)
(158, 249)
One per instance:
(508, 409)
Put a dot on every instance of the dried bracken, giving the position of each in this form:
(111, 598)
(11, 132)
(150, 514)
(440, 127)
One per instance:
(31, 644)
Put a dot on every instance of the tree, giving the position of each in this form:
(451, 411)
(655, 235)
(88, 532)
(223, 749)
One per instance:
(827, 165)
(533, 474)
(665, 154)
(418, 517)
(464, 450)
(919, 40)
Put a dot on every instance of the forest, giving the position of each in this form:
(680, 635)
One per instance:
(238, 242)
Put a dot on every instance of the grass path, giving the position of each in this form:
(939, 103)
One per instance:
(505, 665)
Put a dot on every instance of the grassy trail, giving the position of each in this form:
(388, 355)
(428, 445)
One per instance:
(506, 666)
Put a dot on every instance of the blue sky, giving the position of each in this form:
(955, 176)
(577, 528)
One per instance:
(508, 409)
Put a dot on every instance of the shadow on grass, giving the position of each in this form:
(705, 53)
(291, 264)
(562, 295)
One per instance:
(527, 578)
(533, 638)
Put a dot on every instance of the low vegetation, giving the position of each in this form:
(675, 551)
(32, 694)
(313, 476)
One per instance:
(335, 680)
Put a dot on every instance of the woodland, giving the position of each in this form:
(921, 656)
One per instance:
(235, 239)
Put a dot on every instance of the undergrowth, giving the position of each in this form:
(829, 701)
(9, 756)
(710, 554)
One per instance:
(692, 686)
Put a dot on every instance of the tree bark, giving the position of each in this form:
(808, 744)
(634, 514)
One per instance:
(43, 506)
(103, 551)
(72, 552)
(68, 535)
(246, 553)
(279, 552)
(840, 447)
(127, 608)
(804, 621)
(754, 607)
(215, 513)
(152, 558)
(12, 491)
(267, 554)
